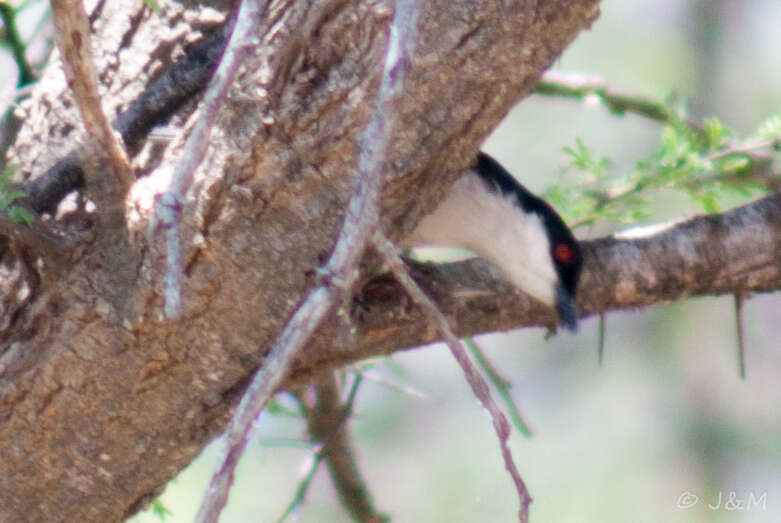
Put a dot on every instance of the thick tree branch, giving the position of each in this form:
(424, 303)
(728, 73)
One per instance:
(102, 400)
(340, 273)
(737, 252)
(100, 403)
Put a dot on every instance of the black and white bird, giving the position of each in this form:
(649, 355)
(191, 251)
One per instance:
(489, 213)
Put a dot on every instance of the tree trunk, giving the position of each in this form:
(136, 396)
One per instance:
(101, 399)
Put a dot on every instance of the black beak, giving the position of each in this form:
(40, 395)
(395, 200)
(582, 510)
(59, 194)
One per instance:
(567, 308)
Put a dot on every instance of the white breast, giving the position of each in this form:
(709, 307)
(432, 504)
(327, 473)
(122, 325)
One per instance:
(494, 227)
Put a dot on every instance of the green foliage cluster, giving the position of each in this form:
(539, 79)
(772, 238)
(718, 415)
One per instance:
(160, 510)
(8, 195)
(12, 42)
(707, 163)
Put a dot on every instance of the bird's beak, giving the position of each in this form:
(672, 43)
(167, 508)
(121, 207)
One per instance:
(567, 308)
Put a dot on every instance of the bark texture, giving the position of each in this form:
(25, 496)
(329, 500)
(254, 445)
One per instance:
(737, 252)
(101, 400)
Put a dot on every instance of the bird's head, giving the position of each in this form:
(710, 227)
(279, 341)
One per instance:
(533, 246)
(488, 212)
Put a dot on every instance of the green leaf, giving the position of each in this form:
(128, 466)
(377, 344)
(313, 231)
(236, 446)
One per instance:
(709, 201)
(706, 163)
(20, 215)
(715, 132)
(160, 510)
(277, 409)
(734, 164)
(10, 194)
(770, 128)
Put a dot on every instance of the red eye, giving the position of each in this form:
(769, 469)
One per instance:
(563, 253)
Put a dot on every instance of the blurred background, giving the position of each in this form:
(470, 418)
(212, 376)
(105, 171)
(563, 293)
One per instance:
(664, 430)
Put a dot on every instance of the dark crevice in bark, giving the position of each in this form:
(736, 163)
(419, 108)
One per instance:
(162, 99)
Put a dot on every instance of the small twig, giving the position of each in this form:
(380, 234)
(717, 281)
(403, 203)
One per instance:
(168, 212)
(584, 88)
(75, 45)
(14, 40)
(399, 387)
(393, 261)
(758, 168)
(740, 333)
(286, 443)
(746, 149)
(349, 402)
(359, 225)
(303, 486)
(502, 386)
(326, 425)
(319, 455)
(277, 409)
(758, 172)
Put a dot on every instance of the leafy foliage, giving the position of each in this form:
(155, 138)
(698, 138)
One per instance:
(707, 163)
(160, 510)
(771, 128)
(8, 195)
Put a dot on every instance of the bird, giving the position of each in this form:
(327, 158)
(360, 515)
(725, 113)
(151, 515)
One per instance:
(488, 212)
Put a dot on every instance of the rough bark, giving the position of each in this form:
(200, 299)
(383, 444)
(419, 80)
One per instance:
(101, 400)
(737, 252)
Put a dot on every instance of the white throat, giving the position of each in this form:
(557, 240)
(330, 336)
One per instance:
(494, 227)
